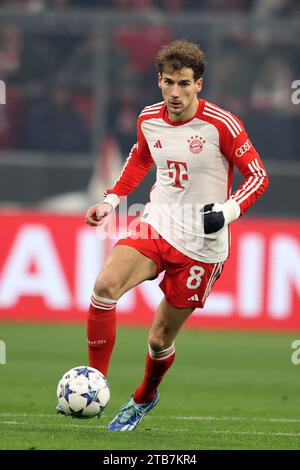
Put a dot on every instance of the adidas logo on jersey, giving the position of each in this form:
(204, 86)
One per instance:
(194, 297)
(158, 145)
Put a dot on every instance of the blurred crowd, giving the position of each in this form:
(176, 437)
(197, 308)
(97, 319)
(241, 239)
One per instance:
(55, 82)
(257, 7)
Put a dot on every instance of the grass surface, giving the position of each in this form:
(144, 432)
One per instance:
(225, 391)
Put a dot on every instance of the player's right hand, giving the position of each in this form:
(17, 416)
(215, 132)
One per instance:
(96, 214)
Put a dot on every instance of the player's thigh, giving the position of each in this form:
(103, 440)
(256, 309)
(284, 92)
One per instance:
(167, 322)
(124, 268)
(189, 285)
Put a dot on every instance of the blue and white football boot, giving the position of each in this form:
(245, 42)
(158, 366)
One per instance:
(131, 415)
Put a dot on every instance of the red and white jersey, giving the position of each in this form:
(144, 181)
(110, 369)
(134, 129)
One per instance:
(194, 161)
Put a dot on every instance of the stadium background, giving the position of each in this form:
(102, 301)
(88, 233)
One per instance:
(77, 74)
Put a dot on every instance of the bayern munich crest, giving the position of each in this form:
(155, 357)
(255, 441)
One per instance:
(196, 144)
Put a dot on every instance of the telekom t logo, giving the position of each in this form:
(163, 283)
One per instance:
(180, 173)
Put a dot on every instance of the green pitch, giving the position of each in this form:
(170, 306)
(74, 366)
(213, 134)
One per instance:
(225, 391)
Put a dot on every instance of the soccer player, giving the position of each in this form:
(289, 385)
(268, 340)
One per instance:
(195, 146)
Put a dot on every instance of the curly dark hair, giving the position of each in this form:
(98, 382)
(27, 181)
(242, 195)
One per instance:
(179, 54)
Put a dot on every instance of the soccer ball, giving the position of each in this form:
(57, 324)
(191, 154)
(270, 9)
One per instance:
(83, 392)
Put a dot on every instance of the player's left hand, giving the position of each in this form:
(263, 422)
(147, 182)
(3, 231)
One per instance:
(216, 215)
(213, 218)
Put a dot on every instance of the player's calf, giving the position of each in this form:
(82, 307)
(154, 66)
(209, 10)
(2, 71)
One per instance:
(158, 362)
(101, 331)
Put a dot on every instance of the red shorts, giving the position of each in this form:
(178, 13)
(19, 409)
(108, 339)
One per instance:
(187, 282)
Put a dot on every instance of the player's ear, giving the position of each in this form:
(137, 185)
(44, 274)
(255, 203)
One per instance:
(159, 78)
(199, 84)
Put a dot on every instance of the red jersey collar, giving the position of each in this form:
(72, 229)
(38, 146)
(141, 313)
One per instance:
(181, 123)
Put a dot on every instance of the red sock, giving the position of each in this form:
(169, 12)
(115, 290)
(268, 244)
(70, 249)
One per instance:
(155, 371)
(101, 332)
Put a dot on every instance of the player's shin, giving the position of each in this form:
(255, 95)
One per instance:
(157, 365)
(101, 332)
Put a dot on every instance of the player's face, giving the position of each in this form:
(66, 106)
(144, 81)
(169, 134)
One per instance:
(179, 90)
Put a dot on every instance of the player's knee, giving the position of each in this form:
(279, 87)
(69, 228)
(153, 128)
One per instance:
(107, 286)
(102, 305)
(158, 340)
